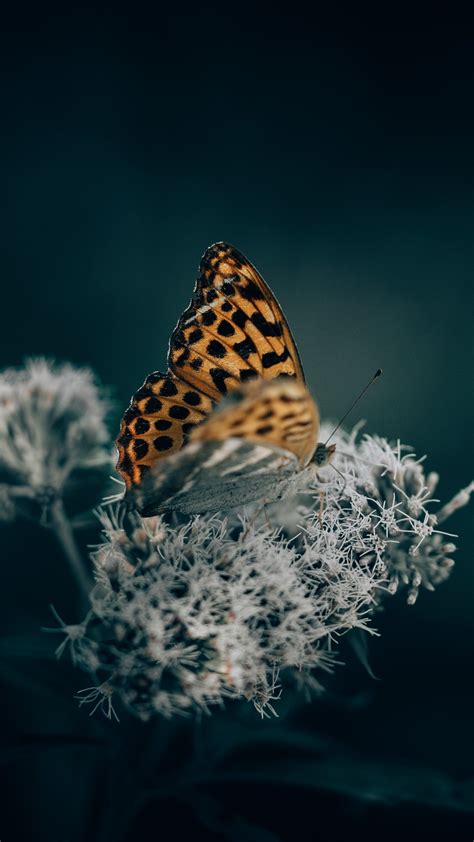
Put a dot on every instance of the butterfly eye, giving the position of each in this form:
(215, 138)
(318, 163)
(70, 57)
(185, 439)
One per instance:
(321, 455)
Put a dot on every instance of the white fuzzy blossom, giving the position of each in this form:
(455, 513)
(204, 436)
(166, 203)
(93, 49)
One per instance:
(188, 612)
(51, 426)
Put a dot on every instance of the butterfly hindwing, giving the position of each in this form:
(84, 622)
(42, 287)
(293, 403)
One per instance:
(157, 423)
(212, 476)
(233, 330)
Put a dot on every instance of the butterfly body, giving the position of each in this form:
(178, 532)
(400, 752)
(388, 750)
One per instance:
(231, 419)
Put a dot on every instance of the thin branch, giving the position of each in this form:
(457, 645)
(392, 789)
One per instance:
(64, 533)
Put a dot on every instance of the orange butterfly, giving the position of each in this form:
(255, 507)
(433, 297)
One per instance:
(232, 418)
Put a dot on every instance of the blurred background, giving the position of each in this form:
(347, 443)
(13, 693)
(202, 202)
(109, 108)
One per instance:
(336, 153)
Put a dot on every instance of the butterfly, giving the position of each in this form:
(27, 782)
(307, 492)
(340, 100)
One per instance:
(232, 420)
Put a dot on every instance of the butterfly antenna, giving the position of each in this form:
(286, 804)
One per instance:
(343, 477)
(369, 384)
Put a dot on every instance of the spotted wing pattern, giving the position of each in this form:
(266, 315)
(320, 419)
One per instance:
(157, 423)
(232, 331)
(280, 413)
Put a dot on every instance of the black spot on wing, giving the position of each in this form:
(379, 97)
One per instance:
(262, 431)
(141, 448)
(141, 426)
(183, 357)
(143, 392)
(153, 405)
(208, 317)
(247, 374)
(251, 292)
(178, 412)
(203, 281)
(168, 389)
(195, 336)
(126, 464)
(265, 327)
(216, 349)
(228, 288)
(239, 318)
(162, 424)
(192, 398)
(272, 358)
(178, 340)
(225, 328)
(163, 443)
(130, 414)
(197, 300)
(155, 377)
(245, 348)
(219, 376)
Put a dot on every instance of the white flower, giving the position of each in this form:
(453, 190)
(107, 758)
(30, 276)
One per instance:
(51, 425)
(73, 636)
(189, 613)
(101, 698)
(52, 431)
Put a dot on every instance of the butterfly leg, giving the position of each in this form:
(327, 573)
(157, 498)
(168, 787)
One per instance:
(267, 519)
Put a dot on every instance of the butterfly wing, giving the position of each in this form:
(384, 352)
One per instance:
(246, 450)
(157, 423)
(280, 413)
(233, 329)
(213, 476)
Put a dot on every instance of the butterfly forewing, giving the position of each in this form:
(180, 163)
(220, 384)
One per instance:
(233, 330)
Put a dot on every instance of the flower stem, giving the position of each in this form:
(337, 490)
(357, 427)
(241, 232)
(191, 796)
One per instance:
(63, 531)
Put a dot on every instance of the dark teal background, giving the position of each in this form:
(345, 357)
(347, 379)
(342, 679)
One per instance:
(338, 158)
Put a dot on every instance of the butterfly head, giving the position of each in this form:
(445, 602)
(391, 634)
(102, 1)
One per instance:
(323, 454)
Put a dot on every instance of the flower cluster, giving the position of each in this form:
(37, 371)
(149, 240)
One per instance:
(186, 613)
(51, 426)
